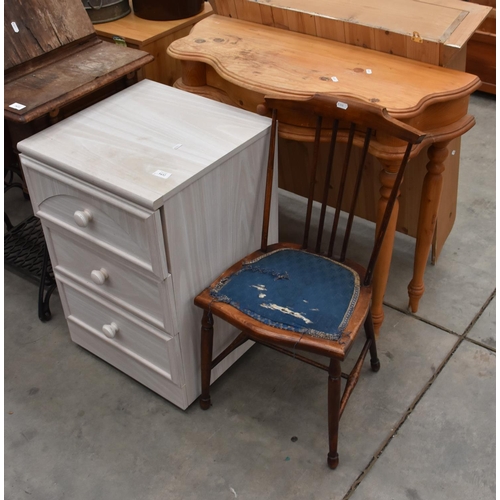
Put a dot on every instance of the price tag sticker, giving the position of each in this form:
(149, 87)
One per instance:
(335, 79)
(342, 105)
(162, 174)
(368, 71)
(14, 27)
(17, 106)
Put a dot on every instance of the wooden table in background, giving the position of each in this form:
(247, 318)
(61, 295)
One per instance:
(153, 37)
(238, 62)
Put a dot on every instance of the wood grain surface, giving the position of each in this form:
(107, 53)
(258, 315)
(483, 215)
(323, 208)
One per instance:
(125, 285)
(268, 60)
(432, 22)
(138, 31)
(432, 31)
(42, 26)
(210, 225)
(123, 228)
(119, 144)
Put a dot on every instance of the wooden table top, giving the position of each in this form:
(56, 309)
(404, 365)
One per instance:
(274, 61)
(138, 31)
(66, 79)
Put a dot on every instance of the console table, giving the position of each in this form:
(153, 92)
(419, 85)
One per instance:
(239, 62)
(145, 199)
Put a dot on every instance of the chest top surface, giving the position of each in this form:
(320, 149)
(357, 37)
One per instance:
(147, 142)
(433, 20)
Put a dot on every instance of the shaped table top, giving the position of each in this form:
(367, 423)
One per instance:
(274, 61)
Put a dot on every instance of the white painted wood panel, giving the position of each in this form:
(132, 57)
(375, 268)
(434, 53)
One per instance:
(150, 299)
(120, 143)
(126, 361)
(131, 231)
(132, 335)
(210, 225)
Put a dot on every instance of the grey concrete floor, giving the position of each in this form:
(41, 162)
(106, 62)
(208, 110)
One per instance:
(422, 428)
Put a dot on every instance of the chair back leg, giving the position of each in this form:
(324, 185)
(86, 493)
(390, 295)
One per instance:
(334, 394)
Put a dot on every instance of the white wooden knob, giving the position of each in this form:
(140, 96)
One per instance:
(110, 330)
(99, 276)
(82, 217)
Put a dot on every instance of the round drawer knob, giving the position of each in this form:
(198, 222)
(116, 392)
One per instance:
(110, 330)
(82, 217)
(99, 276)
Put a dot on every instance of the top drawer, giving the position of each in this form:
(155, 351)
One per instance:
(97, 216)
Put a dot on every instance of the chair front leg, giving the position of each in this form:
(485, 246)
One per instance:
(207, 340)
(334, 394)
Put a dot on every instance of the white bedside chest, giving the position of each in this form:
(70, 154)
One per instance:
(144, 199)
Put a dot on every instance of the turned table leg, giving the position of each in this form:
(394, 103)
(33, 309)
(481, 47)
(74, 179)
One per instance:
(429, 205)
(381, 272)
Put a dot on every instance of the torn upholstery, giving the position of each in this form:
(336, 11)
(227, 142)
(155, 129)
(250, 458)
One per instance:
(293, 290)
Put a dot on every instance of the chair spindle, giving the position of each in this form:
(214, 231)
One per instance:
(326, 188)
(354, 200)
(312, 183)
(269, 182)
(340, 195)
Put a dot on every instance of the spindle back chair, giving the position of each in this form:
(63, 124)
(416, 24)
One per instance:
(293, 297)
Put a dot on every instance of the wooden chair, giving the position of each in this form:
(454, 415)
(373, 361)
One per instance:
(292, 297)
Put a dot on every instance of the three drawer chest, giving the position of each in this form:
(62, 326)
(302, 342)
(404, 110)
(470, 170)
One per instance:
(145, 198)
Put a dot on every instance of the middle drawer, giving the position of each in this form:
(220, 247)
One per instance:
(105, 274)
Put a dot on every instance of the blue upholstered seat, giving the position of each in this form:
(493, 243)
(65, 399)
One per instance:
(294, 290)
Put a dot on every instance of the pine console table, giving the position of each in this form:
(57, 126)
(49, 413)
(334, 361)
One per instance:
(240, 62)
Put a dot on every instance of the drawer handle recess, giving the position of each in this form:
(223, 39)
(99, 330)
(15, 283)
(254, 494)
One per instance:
(110, 330)
(83, 217)
(99, 276)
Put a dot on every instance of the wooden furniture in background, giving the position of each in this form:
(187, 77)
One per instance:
(434, 31)
(52, 60)
(239, 62)
(138, 198)
(54, 65)
(481, 52)
(153, 37)
(310, 297)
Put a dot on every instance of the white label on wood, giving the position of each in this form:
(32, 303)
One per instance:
(17, 106)
(368, 71)
(14, 27)
(335, 79)
(162, 174)
(342, 105)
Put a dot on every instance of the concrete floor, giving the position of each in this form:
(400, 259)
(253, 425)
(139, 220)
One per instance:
(422, 428)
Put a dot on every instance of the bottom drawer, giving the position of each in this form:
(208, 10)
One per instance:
(148, 355)
(145, 373)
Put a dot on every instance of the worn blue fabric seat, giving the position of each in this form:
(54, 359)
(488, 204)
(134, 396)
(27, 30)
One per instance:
(294, 290)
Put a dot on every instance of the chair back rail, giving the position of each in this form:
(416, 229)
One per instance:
(329, 112)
